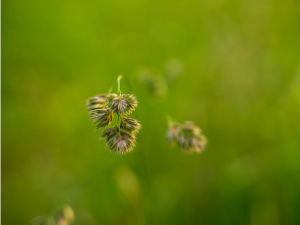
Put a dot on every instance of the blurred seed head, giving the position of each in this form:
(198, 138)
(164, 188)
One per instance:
(190, 129)
(187, 136)
(173, 131)
(155, 84)
(122, 104)
(65, 216)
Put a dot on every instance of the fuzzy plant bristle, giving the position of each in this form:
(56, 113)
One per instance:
(120, 141)
(186, 136)
(101, 117)
(122, 104)
(131, 125)
(97, 102)
(108, 111)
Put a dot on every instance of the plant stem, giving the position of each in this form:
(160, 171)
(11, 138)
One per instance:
(119, 83)
(119, 124)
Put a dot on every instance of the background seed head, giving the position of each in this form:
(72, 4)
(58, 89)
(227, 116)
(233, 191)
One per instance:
(187, 136)
(172, 133)
(155, 83)
(199, 143)
(190, 129)
(66, 216)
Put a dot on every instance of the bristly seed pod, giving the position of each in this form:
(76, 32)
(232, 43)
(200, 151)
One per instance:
(119, 141)
(130, 125)
(109, 133)
(97, 102)
(122, 104)
(101, 117)
(187, 136)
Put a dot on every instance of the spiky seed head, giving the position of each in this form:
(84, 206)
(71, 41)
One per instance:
(109, 133)
(102, 108)
(131, 125)
(101, 117)
(122, 104)
(131, 101)
(96, 102)
(119, 141)
(123, 143)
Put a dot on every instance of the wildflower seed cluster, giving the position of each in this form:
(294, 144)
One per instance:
(110, 111)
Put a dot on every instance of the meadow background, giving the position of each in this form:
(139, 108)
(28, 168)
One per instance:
(240, 84)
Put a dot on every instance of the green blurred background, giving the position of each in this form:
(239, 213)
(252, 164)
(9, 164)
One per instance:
(240, 84)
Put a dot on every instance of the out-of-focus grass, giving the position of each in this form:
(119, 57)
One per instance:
(240, 84)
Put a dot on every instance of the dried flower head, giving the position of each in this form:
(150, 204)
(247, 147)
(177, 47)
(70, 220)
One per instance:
(187, 136)
(121, 137)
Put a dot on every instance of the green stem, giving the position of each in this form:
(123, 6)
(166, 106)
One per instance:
(119, 84)
(119, 92)
(119, 124)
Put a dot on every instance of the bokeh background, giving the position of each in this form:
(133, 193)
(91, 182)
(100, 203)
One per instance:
(240, 82)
